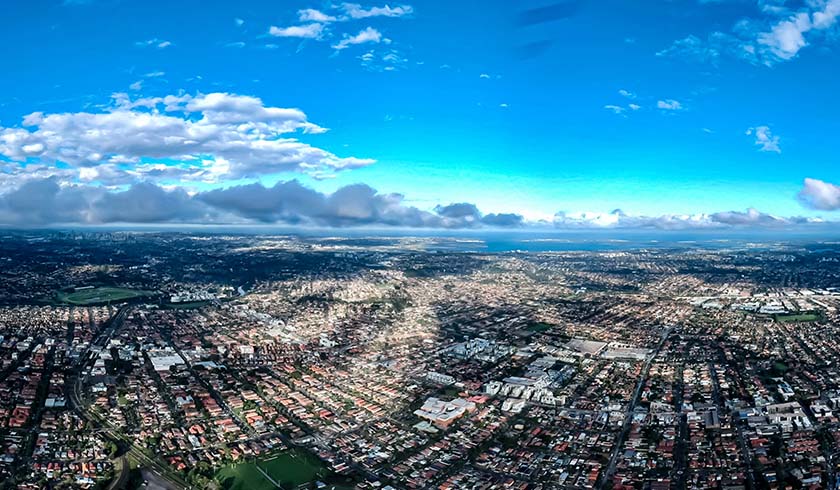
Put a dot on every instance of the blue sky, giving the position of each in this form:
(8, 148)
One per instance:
(524, 108)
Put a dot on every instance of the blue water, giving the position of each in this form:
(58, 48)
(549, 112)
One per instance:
(532, 240)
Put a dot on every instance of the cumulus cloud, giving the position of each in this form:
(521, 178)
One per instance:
(147, 203)
(466, 215)
(777, 37)
(356, 11)
(46, 201)
(619, 219)
(366, 35)
(765, 139)
(751, 216)
(817, 194)
(669, 105)
(205, 137)
(313, 15)
(503, 220)
(786, 38)
(315, 23)
(308, 31)
(614, 108)
(42, 201)
(353, 205)
(352, 11)
(460, 210)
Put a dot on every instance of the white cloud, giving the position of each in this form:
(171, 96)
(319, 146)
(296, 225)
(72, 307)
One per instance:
(619, 219)
(154, 42)
(627, 93)
(308, 31)
(669, 105)
(192, 132)
(786, 38)
(40, 201)
(138, 85)
(827, 17)
(692, 48)
(238, 21)
(356, 11)
(765, 139)
(817, 194)
(33, 148)
(634, 107)
(38, 196)
(391, 60)
(614, 108)
(154, 74)
(312, 15)
(367, 35)
(763, 41)
(484, 75)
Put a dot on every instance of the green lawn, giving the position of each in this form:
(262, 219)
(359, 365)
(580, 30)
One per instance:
(802, 317)
(243, 476)
(539, 327)
(291, 469)
(779, 368)
(100, 295)
(186, 306)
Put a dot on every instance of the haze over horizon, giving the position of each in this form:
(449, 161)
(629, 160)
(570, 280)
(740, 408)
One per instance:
(701, 114)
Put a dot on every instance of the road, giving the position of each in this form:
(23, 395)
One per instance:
(121, 472)
(680, 471)
(742, 440)
(605, 476)
(77, 402)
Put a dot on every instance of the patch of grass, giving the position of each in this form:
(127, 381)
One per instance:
(243, 476)
(291, 469)
(798, 318)
(186, 306)
(96, 296)
(779, 368)
(539, 327)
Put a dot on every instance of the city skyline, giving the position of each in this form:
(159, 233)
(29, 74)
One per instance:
(670, 115)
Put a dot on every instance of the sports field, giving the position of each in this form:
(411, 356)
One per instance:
(290, 469)
(796, 318)
(101, 295)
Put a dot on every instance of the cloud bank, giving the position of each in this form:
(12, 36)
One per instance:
(49, 201)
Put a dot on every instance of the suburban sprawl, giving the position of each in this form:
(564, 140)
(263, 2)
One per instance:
(178, 360)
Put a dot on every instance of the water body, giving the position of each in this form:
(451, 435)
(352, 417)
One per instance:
(526, 240)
